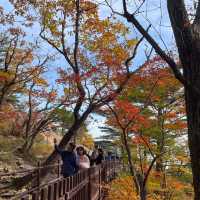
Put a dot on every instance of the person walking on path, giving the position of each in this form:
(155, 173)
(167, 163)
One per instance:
(109, 156)
(99, 158)
(69, 167)
(94, 156)
(82, 159)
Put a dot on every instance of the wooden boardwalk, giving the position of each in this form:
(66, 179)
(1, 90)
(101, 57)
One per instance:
(85, 185)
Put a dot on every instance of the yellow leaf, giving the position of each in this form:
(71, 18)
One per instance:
(132, 42)
(5, 75)
(40, 81)
(66, 91)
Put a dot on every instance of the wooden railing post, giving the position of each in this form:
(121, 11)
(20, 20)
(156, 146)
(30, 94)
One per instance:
(100, 169)
(109, 171)
(58, 168)
(44, 193)
(86, 185)
(114, 169)
(50, 192)
(123, 165)
(38, 174)
(89, 184)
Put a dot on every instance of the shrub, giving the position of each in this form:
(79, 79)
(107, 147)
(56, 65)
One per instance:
(41, 149)
(122, 189)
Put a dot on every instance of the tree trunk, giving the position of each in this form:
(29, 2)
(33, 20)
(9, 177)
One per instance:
(160, 140)
(164, 180)
(25, 148)
(31, 142)
(188, 43)
(159, 165)
(130, 163)
(138, 178)
(2, 96)
(143, 193)
(193, 117)
(143, 189)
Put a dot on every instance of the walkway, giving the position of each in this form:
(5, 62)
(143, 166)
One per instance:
(85, 185)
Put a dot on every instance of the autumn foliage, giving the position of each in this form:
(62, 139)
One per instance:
(76, 63)
(150, 118)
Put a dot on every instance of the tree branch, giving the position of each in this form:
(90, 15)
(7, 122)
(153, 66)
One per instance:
(197, 16)
(158, 50)
(133, 55)
(76, 39)
(76, 67)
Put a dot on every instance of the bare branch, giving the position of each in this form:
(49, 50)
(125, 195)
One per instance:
(116, 116)
(197, 17)
(8, 58)
(63, 41)
(133, 55)
(76, 39)
(113, 9)
(30, 110)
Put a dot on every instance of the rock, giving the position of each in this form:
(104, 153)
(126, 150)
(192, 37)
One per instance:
(5, 170)
(19, 162)
(21, 167)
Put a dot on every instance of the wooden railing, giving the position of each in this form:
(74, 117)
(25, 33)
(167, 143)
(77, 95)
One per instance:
(85, 185)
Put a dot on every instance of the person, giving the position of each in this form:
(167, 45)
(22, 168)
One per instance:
(69, 167)
(109, 156)
(117, 157)
(99, 158)
(88, 155)
(82, 160)
(94, 156)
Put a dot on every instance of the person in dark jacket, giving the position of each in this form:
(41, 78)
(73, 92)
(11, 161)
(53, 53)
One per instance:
(109, 156)
(69, 167)
(94, 156)
(99, 158)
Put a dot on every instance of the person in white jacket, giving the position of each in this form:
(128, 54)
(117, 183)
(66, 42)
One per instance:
(82, 159)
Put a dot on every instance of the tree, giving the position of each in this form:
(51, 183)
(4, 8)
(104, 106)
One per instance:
(186, 33)
(151, 112)
(96, 66)
(130, 121)
(85, 139)
(110, 140)
(22, 67)
(18, 63)
(165, 108)
(38, 112)
(64, 119)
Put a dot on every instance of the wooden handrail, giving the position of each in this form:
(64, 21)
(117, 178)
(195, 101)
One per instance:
(77, 187)
(28, 170)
